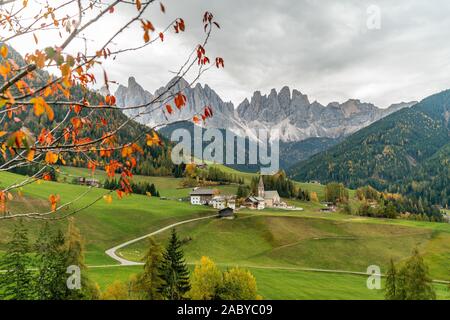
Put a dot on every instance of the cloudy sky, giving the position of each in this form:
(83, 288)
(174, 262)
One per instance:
(322, 48)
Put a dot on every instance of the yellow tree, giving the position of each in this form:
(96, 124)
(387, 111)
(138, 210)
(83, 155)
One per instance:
(51, 88)
(206, 280)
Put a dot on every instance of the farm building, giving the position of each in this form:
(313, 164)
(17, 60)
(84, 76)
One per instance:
(222, 202)
(202, 196)
(226, 213)
(89, 182)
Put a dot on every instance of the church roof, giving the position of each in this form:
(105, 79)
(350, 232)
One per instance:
(271, 194)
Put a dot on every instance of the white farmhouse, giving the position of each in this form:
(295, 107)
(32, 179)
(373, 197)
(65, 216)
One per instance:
(201, 196)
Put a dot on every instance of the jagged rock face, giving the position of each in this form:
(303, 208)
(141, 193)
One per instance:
(197, 98)
(297, 119)
(291, 113)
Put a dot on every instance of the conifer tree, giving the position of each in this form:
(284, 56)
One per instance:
(173, 271)
(51, 263)
(148, 282)
(16, 283)
(391, 282)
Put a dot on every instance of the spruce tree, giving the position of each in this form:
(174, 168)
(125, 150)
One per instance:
(16, 283)
(391, 283)
(148, 282)
(173, 271)
(51, 258)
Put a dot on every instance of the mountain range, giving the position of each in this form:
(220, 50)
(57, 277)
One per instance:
(290, 112)
(305, 128)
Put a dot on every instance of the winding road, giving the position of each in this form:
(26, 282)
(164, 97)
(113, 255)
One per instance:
(124, 262)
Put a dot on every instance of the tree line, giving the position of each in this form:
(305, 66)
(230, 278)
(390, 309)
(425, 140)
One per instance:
(41, 271)
(144, 188)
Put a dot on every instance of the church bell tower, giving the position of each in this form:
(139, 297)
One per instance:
(261, 187)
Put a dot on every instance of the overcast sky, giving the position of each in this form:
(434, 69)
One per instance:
(322, 48)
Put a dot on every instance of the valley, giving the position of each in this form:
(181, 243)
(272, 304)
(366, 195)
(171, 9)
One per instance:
(279, 247)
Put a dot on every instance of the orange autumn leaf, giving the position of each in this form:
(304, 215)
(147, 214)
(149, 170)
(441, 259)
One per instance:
(54, 199)
(4, 51)
(169, 108)
(2, 133)
(30, 155)
(195, 119)
(51, 157)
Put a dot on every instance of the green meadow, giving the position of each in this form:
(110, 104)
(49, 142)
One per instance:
(275, 245)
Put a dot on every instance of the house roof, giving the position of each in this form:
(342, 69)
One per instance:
(255, 199)
(271, 194)
(226, 211)
(202, 192)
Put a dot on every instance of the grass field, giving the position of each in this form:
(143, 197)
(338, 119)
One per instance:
(285, 284)
(257, 240)
(103, 225)
(167, 186)
(300, 240)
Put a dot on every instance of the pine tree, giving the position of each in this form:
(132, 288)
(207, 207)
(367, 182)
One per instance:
(51, 258)
(148, 282)
(17, 282)
(391, 282)
(173, 271)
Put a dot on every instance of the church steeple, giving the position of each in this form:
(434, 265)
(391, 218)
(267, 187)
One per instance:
(261, 187)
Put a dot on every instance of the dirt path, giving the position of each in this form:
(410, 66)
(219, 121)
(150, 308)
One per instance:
(124, 262)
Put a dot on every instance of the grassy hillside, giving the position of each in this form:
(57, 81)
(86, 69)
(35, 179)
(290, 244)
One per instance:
(102, 225)
(308, 241)
(285, 284)
(266, 242)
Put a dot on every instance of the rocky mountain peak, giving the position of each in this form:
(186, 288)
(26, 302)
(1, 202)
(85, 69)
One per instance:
(289, 111)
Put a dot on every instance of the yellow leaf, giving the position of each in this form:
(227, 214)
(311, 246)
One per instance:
(4, 51)
(107, 198)
(2, 133)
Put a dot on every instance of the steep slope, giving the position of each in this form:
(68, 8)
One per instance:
(154, 160)
(407, 151)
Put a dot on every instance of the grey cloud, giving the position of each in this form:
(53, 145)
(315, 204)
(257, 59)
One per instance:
(323, 48)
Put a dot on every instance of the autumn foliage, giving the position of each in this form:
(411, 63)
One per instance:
(54, 84)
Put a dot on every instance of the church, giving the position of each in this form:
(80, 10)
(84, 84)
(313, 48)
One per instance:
(271, 197)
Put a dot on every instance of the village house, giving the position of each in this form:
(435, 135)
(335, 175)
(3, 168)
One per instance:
(256, 203)
(202, 196)
(89, 182)
(222, 202)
